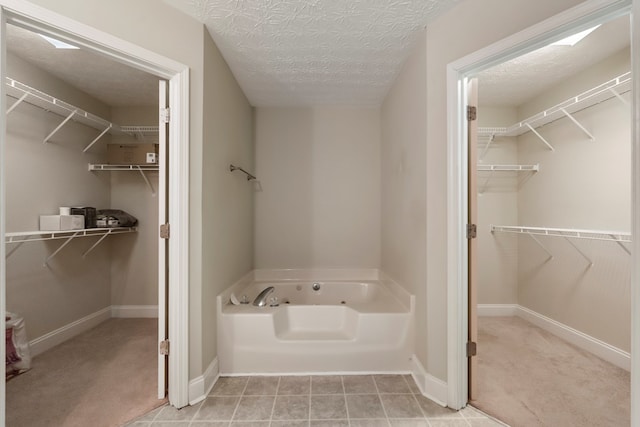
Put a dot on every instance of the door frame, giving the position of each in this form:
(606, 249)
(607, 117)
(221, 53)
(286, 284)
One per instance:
(458, 72)
(177, 312)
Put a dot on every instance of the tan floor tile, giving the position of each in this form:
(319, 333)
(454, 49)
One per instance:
(408, 423)
(217, 408)
(262, 386)
(291, 408)
(364, 406)
(254, 408)
(391, 384)
(248, 424)
(369, 423)
(170, 413)
(289, 423)
(229, 386)
(401, 406)
(448, 422)
(329, 407)
(329, 423)
(359, 384)
(433, 410)
(294, 385)
(412, 384)
(329, 384)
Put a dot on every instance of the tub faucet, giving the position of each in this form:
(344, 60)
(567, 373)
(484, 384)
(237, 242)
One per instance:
(261, 299)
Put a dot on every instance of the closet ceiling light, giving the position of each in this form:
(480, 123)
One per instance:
(58, 44)
(575, 38)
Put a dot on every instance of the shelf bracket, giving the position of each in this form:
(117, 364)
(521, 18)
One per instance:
(617, 95)
(98, 137)
(144, 176)
(624, 248)
(9, 253)
(580, 252)
(577, 123)
(104, 236)
(486, 182)
(486, 147)
(18, 102)
(535, 239)
(66, 242)
(73, 113)
(539, 136)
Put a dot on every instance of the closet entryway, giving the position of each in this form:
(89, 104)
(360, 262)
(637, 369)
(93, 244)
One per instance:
(88, 296)
(554, 220)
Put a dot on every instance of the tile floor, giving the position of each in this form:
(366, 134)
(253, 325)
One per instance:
(315, 401)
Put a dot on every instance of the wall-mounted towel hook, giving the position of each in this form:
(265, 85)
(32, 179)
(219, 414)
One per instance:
(249, 176)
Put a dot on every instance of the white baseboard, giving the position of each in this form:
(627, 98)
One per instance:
(200, 387)
(134, 311)
(430, 386)
(60, 335)
(497, 310)
(605, 351)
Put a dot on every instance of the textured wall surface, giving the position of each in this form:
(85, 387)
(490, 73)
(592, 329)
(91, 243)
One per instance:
(305, 52)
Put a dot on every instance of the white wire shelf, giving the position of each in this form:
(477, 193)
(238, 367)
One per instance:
(24, 93)
(614, 236)
(140, 132)
(613, 88)
(509, 168)
(618, 237)
(21, 237)
(136, 168)
(108, 167)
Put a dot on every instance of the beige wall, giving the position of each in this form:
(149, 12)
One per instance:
(40, 179)
(466, 28)
(227, 199)
(319, 202)
(498, 204)
(583, 185)
(404, 196)
(134, 258)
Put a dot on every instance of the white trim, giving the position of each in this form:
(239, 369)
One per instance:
(430, 386)
(201, 386)
(605, 351)
(316, 274)
(554, 28)
(497, 310)
(635, 225)
(3, 134)
(32, 16)
(134, 311)
(47, 341)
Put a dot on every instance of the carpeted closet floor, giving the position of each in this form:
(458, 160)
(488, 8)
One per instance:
(529, 377)
(103, 377)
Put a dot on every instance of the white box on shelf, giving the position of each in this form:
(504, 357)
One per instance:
(61, 222)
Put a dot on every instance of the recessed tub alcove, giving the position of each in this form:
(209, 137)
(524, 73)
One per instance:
(355, 322)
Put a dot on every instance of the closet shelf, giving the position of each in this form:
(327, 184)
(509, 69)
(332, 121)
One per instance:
(140, 132)
(568, 233)
(138, 168)
(37, 236)
(612, 88)
(509, 168)
(24, 93)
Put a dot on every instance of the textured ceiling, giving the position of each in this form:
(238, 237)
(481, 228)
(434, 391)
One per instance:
(512, 83)
(309, 52)
(109, 81)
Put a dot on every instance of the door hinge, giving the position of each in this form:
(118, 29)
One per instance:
(164, 347)
(165, 231)
(472, 231)
(472, 348)
(165, 115)
(472, 113)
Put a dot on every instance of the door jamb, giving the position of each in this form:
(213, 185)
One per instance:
(539, 35)
(63, 28)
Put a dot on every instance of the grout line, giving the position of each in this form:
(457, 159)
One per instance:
(275, 398)
(344, 395)
(310, 390)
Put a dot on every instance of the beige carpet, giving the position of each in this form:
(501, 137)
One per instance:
(529, 377)
(103, 377)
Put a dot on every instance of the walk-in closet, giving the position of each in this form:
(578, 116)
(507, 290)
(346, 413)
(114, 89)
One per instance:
(86, 296)
(554, 232)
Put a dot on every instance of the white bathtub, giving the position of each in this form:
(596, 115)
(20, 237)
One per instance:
(344, 326)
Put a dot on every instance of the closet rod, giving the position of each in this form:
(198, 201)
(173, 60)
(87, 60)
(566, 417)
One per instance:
(249, 176)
